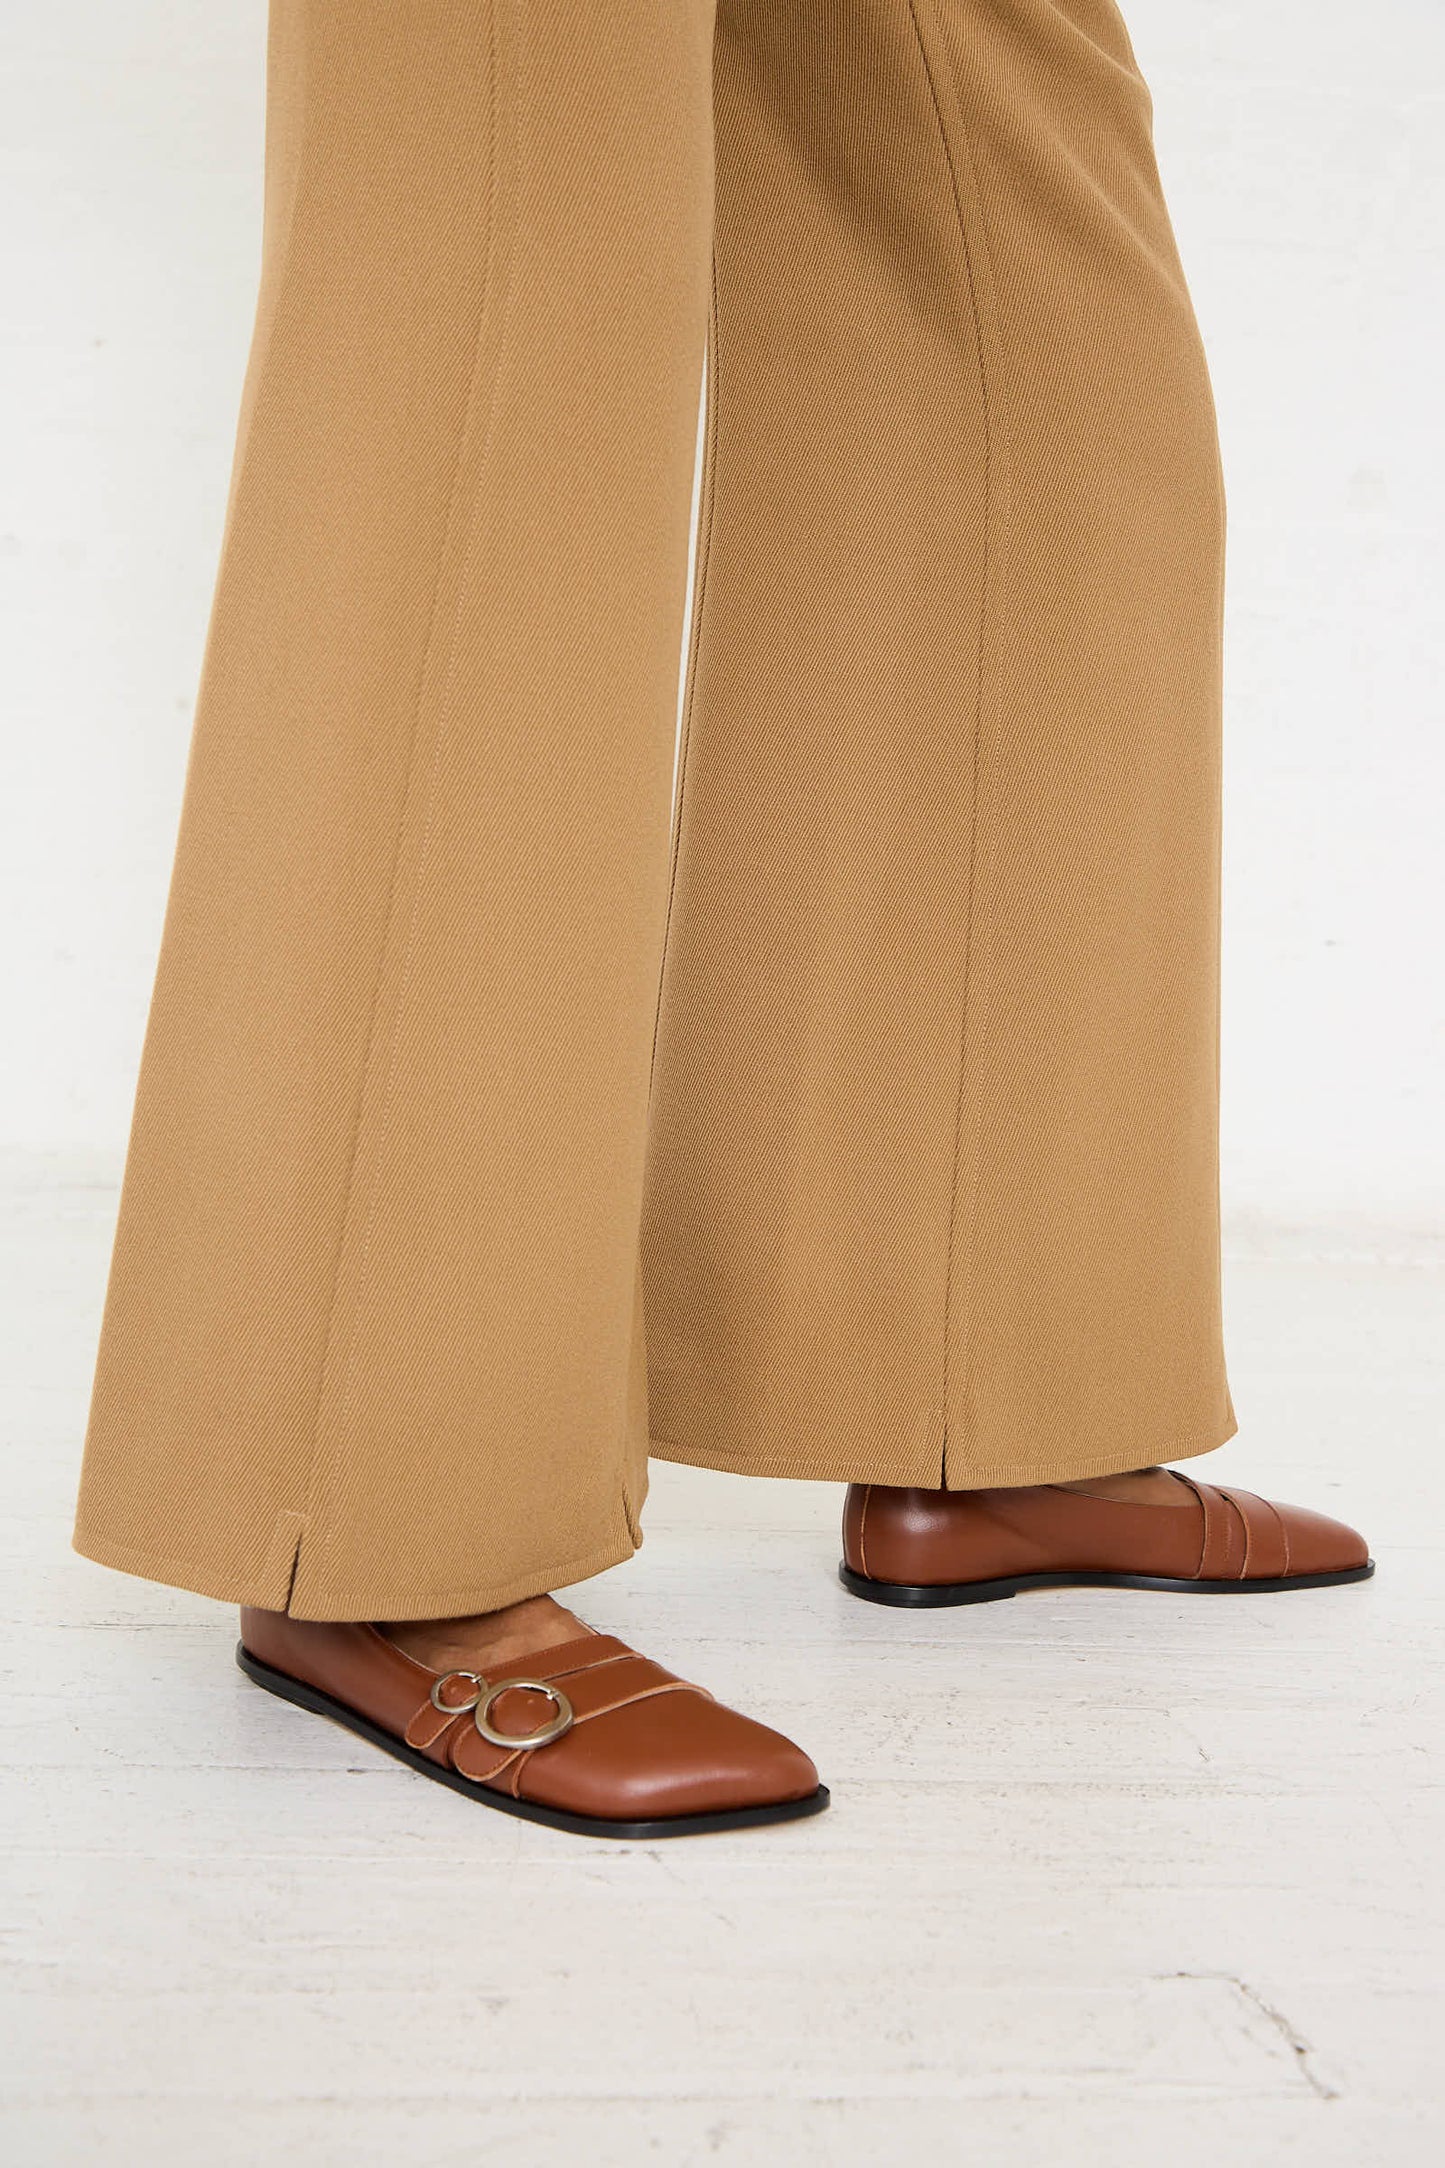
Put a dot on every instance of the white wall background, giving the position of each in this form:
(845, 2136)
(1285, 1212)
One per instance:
(1304, 145)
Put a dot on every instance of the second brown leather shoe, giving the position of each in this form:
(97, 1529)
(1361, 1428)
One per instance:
(922, 1547)
(587, 1736)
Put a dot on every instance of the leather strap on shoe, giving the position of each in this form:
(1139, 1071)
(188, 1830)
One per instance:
(1243, 1539)
(592, 1678)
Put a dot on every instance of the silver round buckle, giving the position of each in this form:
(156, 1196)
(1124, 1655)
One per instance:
(458, 1708)
(524, 1741)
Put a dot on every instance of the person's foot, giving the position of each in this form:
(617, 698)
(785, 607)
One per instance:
(486, 1643)
(530, 1711)
(1152, 1528)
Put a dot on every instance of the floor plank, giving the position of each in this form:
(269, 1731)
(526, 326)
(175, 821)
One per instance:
(1107, 1876)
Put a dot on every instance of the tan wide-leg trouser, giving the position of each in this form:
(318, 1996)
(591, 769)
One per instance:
(926, 1189)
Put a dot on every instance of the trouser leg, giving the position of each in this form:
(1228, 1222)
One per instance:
(932, 1188)
(373, 1341)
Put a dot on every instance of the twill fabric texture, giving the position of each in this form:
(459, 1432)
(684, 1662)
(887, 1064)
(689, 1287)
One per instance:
(501, 1122)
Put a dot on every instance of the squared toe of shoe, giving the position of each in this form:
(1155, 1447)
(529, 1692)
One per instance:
(680, 1754)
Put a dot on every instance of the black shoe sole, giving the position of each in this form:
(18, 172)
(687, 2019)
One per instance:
(577, 1825)
(906, 1597)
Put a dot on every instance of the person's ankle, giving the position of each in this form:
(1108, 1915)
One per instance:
(492, 1638)
(1135, 1487)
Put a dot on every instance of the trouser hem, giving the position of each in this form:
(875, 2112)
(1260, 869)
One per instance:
(380, 1600)
(828, 1464)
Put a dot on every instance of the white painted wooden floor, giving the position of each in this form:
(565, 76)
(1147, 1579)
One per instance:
(1108, 1878)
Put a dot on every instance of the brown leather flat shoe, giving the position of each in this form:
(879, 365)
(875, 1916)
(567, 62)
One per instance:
(938, 1547)
(587, 1736)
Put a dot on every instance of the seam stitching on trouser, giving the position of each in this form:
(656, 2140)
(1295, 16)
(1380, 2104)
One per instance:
(476, 429)
(704, 558)
(974, 313)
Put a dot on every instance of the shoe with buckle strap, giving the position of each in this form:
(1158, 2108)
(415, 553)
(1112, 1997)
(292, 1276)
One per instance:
(917, 1548)
(587, 1736)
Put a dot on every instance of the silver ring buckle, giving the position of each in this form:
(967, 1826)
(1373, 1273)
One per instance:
(521, 1742)
(458, 1708)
